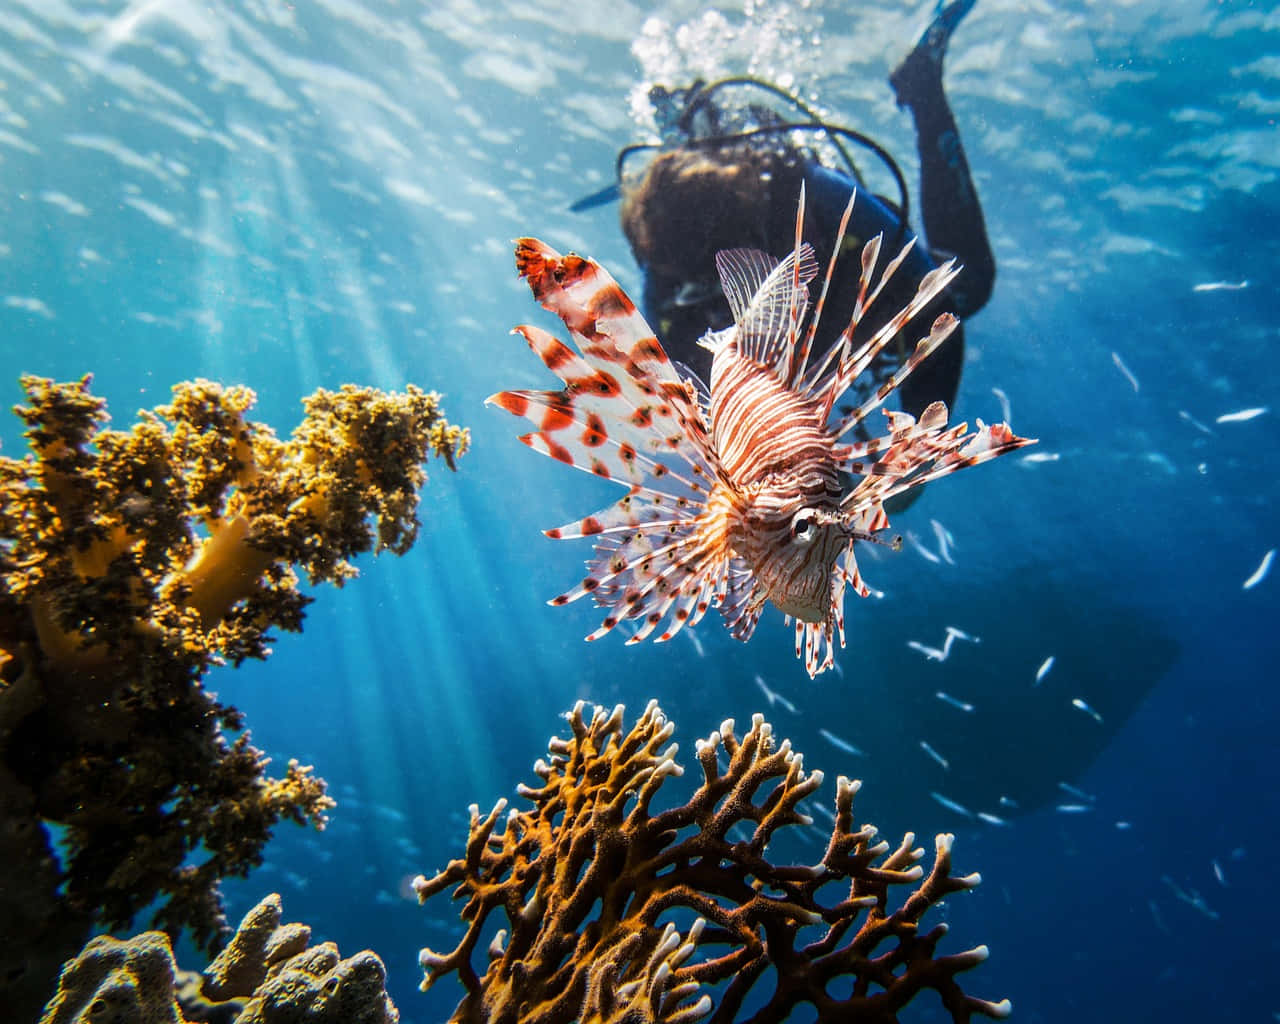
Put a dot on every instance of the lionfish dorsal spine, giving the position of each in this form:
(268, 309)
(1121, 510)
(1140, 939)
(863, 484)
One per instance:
(941, 329)
(852, 365)
(799, 304)
(801, 361)
(839, 353)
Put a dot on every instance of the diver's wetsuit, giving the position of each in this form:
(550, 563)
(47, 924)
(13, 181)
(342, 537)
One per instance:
(688, 222)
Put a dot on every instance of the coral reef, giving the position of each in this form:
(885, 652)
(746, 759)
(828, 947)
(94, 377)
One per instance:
(132, 562)
(266, 975)
(614, 913)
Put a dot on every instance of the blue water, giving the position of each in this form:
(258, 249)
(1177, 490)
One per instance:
(295, 195)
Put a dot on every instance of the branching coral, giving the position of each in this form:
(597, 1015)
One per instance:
(594, 889)
(266, 975)
(131, 562)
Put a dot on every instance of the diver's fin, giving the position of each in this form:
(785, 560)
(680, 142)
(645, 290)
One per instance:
(922, 67)
(946, 16)
(608, 194)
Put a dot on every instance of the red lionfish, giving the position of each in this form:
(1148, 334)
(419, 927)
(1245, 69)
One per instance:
(743, 497)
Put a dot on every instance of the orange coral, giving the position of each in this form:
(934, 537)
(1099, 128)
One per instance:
(596, 890)
(131, 562)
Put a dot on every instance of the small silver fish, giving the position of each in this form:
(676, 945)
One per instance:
(921, 550)
(932, 653)
(951, 805)
(1066, 787)
(840, 744)
(1115, 358)
(1194, 422)
(1241, 416)
(1260, 573)
(772, 696)
(942, 761)
(959, 705)
(945, 541)
(1220, 286)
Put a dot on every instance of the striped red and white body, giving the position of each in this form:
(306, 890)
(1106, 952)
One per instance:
(744, 499)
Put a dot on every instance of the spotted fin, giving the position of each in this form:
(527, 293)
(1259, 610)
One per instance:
(648, 576)
(627, 414)
(744, 600)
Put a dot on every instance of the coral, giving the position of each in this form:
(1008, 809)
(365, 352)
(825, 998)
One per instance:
(266, 975)
(318, 987)
(258, 944)
(114, 982)
(595, 891)
(131, 563)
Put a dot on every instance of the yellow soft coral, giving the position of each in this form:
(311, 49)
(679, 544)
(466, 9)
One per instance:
(131, 562)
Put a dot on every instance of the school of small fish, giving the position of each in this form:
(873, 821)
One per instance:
(738, 497)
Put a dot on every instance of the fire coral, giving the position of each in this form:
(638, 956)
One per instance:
(615, 913)
(131, 562)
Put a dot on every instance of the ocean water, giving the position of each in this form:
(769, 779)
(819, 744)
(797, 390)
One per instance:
(291, 195)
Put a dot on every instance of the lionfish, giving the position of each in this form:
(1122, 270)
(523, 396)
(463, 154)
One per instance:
(743, 495)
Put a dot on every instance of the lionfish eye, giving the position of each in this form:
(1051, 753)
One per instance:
(804, 525)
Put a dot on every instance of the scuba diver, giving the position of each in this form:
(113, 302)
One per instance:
(729, 176)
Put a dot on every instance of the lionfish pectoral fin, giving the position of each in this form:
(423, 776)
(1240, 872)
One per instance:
(744, 600)
(603, 319)
(661, 570)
